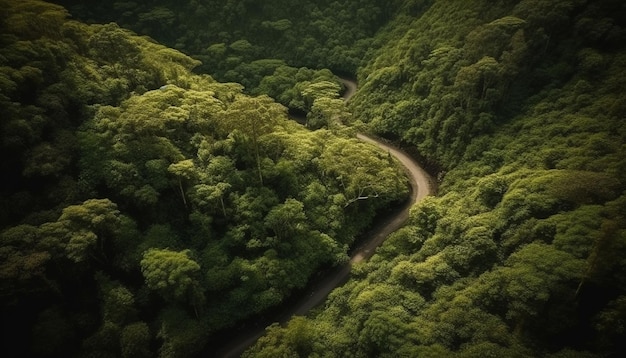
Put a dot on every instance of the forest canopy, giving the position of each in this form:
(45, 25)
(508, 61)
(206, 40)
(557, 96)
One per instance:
(157, 192)
(520, 106)
(147, 207)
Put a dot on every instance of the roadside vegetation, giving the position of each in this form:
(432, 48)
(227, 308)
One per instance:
(145, 207)
(156, 192)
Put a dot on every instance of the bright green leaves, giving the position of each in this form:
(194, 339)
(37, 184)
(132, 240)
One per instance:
(322, 89)
(298, 88)
(184, 169)
(145, 64)
(140, 148)
(88, 226)
(111, 43)
(258, 196)
(241, 46)
(286, 219)
(547, 192)
(152, 114)
(424, 276)
(206, 196)
(80, 243)
(95, 214)
(385, 331)
(491, 189)
(178, 156)
(533, 275)
(253, 117)
(172, 273)
(364, 173)
(328, 112)
(424, 216)
(295, 341)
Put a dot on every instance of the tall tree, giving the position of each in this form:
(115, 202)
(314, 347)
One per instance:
(174, 275)
(253, 117)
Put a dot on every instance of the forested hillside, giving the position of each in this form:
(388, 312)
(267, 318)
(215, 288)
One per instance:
(153, 197)
(247, 40)
(521, 104)
(144, 207)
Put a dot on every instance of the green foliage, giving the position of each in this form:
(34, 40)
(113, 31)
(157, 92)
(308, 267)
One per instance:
(327, 112)
(286, 219)
(491, 189)
(172, 273)
(298, 88)
(135, 340)
(532, 274)
(518, 257)
(148, 153)
(362, 172)
(121, 164)
(24, 260)
(182, 335)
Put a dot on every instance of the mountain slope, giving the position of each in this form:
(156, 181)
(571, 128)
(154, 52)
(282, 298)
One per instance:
(145, 207)
(520, 106)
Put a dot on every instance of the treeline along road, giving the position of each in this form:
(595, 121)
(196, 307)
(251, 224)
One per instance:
(421, 186)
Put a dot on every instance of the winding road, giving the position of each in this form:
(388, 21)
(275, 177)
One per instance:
(421, 186)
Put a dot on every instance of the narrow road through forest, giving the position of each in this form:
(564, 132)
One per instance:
(421, 186)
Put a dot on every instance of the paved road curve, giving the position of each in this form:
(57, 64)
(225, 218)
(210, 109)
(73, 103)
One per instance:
(421, 186)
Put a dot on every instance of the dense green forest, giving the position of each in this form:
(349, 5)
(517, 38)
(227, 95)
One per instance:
(245, 41)
(156, 192)
(145, 207)
(521, 104)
